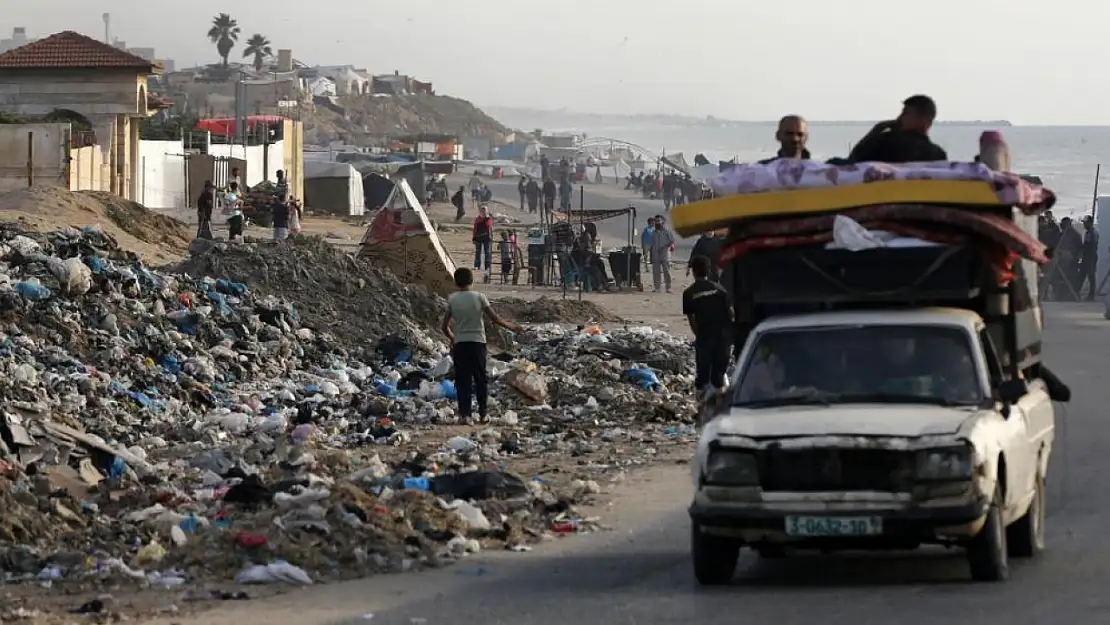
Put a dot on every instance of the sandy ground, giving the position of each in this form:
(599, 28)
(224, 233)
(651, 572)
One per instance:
(154, 238)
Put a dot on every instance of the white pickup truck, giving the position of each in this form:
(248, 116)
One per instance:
(883, 429)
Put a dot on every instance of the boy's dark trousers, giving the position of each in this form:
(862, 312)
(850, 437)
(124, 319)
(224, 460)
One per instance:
(470, 376)
(711, 356)
(235, 226)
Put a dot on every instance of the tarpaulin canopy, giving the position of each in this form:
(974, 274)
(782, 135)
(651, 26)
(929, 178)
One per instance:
(227, 125)
(590, 215)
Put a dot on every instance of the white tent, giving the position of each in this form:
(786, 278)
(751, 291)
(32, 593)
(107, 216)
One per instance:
(333, 188)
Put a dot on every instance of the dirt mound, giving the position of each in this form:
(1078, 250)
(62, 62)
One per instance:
(335, 292)
(155, 238)
(551, 310)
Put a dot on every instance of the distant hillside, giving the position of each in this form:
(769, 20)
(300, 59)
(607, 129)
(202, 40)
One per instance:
(526, 118)
(369, 117)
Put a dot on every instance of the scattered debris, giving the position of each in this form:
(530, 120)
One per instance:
(280, 414)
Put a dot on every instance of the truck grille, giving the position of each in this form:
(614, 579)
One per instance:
(812, 470)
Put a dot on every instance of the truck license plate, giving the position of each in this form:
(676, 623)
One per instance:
(833, 526)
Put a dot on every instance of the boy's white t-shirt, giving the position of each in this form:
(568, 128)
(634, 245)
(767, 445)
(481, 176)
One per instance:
(468, 309)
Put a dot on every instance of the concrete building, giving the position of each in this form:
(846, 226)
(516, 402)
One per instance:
(97, 86)
(399, 84)
(348, 80)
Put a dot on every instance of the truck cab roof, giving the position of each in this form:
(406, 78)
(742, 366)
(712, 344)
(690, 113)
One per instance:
(947, 316)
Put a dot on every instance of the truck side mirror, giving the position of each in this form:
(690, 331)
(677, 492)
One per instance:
(1011, 391)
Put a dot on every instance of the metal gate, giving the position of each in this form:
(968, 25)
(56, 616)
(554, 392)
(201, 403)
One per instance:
(201, 168)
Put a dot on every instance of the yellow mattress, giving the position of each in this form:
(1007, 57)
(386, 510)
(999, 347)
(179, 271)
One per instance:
(698, 217)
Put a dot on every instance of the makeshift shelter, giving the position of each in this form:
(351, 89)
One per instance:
(402, 239)
(333, 188)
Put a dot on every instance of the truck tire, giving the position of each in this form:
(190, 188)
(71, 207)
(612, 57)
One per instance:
(986, 553)
(1025, 537)
(714, 557)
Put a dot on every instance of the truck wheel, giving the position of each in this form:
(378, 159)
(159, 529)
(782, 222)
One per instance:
(714, 557)
(1025, 537)
(986, 554)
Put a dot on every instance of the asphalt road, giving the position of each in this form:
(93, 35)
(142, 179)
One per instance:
(640, 573)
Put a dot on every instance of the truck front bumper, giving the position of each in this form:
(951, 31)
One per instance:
(765, 522)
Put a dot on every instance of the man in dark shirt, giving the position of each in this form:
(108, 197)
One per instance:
(1088, 258)
(549, 193)
(459, 200)
(709, 246)
(706, 306)
(791, 135)
(903, 140)
(205, 203)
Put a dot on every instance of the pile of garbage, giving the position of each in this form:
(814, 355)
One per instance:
(225, 425)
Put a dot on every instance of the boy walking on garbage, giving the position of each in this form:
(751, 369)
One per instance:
(464, 325)
(706, 305)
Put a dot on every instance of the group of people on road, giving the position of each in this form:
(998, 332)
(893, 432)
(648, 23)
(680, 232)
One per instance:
(532, 193)
(1074, 257)
(674, 188)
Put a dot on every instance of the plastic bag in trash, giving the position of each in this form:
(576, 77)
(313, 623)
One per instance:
(33, 290)
(274, 572)
(644, 378)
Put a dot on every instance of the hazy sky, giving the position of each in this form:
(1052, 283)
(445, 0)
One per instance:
(1031, 63)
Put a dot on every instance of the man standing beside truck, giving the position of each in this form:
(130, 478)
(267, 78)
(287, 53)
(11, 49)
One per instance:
(706, 306)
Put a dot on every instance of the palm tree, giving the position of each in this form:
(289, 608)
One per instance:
(225, 34)
(259, 46)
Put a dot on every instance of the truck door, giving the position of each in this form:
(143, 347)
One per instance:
(1013, 434)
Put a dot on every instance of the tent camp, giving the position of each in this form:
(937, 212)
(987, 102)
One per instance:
(333, 188)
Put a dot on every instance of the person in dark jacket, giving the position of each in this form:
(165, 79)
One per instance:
(707, 246)
(1088, 258)
(532, 192)
(549, 193)
(522, 189)
(1066, 259)
(903, 140)
(205, 203)
(791, 135)
(281, 221)
(459, 200)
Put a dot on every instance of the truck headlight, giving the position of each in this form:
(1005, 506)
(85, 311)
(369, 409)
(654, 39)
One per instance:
(947, 464)
(727, 467)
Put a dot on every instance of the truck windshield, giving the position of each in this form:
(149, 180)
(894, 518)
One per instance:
(860, 364)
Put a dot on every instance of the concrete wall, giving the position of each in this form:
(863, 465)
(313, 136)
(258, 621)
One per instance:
(108, 99)
(263, 161)
(161, 183)
(293, 156)
(87, 170)
(47, 158)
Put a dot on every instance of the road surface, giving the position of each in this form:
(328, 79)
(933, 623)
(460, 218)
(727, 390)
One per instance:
(640, 573)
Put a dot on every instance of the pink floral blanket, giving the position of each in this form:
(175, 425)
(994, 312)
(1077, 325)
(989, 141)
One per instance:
(787, 174)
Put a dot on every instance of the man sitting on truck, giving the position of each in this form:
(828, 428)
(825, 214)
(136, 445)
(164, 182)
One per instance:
(902, 140)
(705, 304)
(791, 135)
